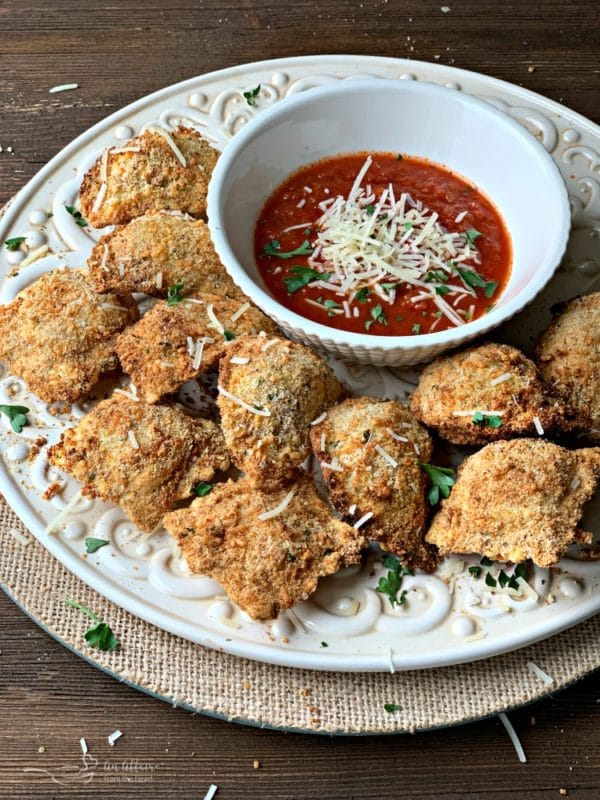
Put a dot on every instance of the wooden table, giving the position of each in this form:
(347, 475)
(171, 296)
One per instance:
(118, 52)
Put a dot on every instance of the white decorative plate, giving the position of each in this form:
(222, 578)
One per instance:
(448, 617)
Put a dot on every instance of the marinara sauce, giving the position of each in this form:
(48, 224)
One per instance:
(445, 297)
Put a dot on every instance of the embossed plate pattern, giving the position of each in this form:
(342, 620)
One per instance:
(448, 617)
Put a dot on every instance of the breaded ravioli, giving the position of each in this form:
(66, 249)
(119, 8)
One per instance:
(160, 169)
(142, 457)
(59, 335)
(157, 251)
(516, 500)
(267, 550)
(270, 390)
(568, 356)
(485, 393)
(173, 344)
(369, 450)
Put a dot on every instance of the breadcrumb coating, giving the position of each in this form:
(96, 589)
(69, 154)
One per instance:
(59, 335)
(264, 565)
(369, 450)
(495, 379)
(144, 458)
(157, 251)
(146, 175)
(285, 386)
(568, 356)
(161, 351)
(516, 500)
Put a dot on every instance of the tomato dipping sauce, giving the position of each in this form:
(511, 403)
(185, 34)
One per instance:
(382, 243)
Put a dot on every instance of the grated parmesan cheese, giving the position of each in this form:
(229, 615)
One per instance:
(333, 465)
(538, 426)
(121, 270)
(84, 747)
(113, 737)
(239, 360)
(190, 346)
(386, 456)
(160, 131)
(214, 321)
(212, 790)
(471, 411)
(352, 510)
(365, 518)
(269, 344)
(34, 255)
(100, 197)
(20, 537)
(132, 440)
(261, 412)
(396, 436)
(279, 509)
(63, 87)
(506, 376)
(52, 526)
(117, 150)
(159, 280)
(127, 394)
(104, 258)
(539, 673)
(575, 483)
(108, 306)
(241, 310)
(104, 167)
(513, 737)
(319, 419)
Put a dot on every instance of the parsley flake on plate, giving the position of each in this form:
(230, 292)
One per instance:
(391, 708)
(475, 570)
(486, 420)
(175, 294)
(14, 243)
(17, 416)
(251, 95)
(324, 644)
(302, 276)
(442, 480)
(490, 580)
(91, 544)
(99, 635)
(392, 583)
(77, 216)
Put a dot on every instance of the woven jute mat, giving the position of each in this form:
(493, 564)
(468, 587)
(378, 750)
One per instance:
(240, 690)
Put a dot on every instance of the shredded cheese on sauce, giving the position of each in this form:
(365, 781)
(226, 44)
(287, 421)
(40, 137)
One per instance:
(279, 509)
(261, 412)
(169, 140)
(364, 240)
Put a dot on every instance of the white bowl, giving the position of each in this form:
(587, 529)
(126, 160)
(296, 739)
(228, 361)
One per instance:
(467, 135)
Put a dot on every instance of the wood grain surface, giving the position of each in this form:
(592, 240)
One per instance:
(49, 698)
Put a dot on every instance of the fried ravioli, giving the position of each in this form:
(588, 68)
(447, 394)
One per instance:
(157, 251)
(369, 450)
(157, 170)
(516, 500)
(174, 344)
(269, 393)
(266, 562)
(142, 457)
(60, 336)
(483, 394)
(568, 356)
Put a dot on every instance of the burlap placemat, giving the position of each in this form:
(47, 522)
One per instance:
(240, 690)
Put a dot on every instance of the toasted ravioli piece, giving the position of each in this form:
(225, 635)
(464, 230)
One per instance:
(369, 450)
(60, 336)
(173, 344)
(483, 394)
(267, 550)
(157, 251)
(568, 356)
(159, 169)
(142, 457)
(269, 393)
(516, 500)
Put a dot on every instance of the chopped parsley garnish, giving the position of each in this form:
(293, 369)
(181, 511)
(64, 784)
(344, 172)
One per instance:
(473, 280)
(91, 544)
(77, 216)
(377, 315)
(366, 437)
(392, 583)
(442, 480)
(363, 294)
(329, 305)
(202, 489)
(100, 635)
(490, 580)
(17, 416)
(14, 243)
(475, 570)
(399, 157)
(324, 644)
(471, 235)
(229, 336)
(251, 95)
(521, 571)
(175, 294)
(416, 328)
(486, 562)
(486, 420)
(391, 708)
(273, 249)
(302, 276)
